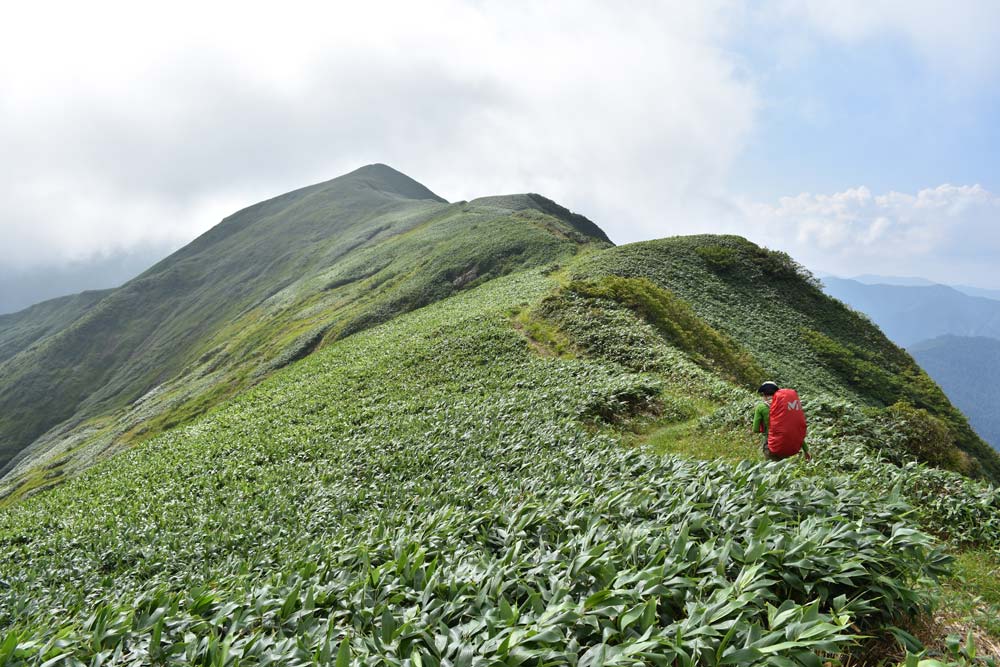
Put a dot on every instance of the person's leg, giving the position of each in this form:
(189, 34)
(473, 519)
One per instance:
(770, 456)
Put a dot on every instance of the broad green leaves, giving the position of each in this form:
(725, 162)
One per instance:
(430, 494)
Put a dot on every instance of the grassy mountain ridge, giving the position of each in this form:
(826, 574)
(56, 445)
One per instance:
(265, 287)
(223, 312)
(448, 450)
(801, 337)
(138, 335)
(444, 488)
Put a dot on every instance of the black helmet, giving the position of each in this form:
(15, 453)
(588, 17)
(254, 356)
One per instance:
(768, 388)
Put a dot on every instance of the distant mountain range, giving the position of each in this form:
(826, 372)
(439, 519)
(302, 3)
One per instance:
(968, 369)
(913, 281)
(911, 314)
(952, 331)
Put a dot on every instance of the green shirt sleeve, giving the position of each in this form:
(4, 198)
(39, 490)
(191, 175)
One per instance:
(761, 418)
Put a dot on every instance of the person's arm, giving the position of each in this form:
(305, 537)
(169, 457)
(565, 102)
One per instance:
(760, 418)
(805, 451)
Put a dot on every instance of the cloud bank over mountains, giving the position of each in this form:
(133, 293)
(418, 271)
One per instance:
(126, 127)
(949, 233)
(163, 123)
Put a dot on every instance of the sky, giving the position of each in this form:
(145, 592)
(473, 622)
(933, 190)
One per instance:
(860, 137)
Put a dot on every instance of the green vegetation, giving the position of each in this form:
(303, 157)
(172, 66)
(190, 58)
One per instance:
(19, 330)
(676, 322)
(477, 438)
(977, 571)
(772, 308)
(916, 434)
(691, 439)
(396, 496)
(268, 286)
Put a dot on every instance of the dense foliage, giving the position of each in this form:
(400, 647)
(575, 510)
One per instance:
(675, 321)
(885, 450)
(455, 486)
(396, 498)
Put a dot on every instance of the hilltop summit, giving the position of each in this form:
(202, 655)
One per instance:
(386, 180)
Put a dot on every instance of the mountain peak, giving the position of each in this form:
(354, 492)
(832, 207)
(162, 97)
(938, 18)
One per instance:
(531, 200)
(385, 179)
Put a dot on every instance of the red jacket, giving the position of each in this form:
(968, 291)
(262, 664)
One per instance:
(787, 428)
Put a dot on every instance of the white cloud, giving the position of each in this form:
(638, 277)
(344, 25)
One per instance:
(948, 233)
(956, 38)
(121, 124)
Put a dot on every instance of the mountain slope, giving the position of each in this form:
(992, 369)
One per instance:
(266, 286)
(797, 334)
(20, 330)
(912, 315)
(979, 291)
(900, 281)
(968, 369)
(452, 487)
(909, 314)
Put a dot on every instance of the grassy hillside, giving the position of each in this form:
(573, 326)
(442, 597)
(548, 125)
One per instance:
(436, 490)
(267, 286)
(799, 336)
(968, 369)
(481, 481)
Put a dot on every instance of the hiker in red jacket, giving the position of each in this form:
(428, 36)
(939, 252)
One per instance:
(782, 422)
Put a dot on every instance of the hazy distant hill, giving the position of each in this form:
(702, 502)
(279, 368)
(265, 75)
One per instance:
(968, 369)
(910, 314)
(912, 281)
(945, 329)
(978, 291)
(899, 281)
(21, 288)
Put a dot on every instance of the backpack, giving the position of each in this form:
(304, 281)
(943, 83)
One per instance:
(787, 429)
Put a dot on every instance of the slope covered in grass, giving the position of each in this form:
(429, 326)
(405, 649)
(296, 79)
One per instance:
(447, 448)
(20, 330)
(434, 490)
(267, 286)
(798, 335)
